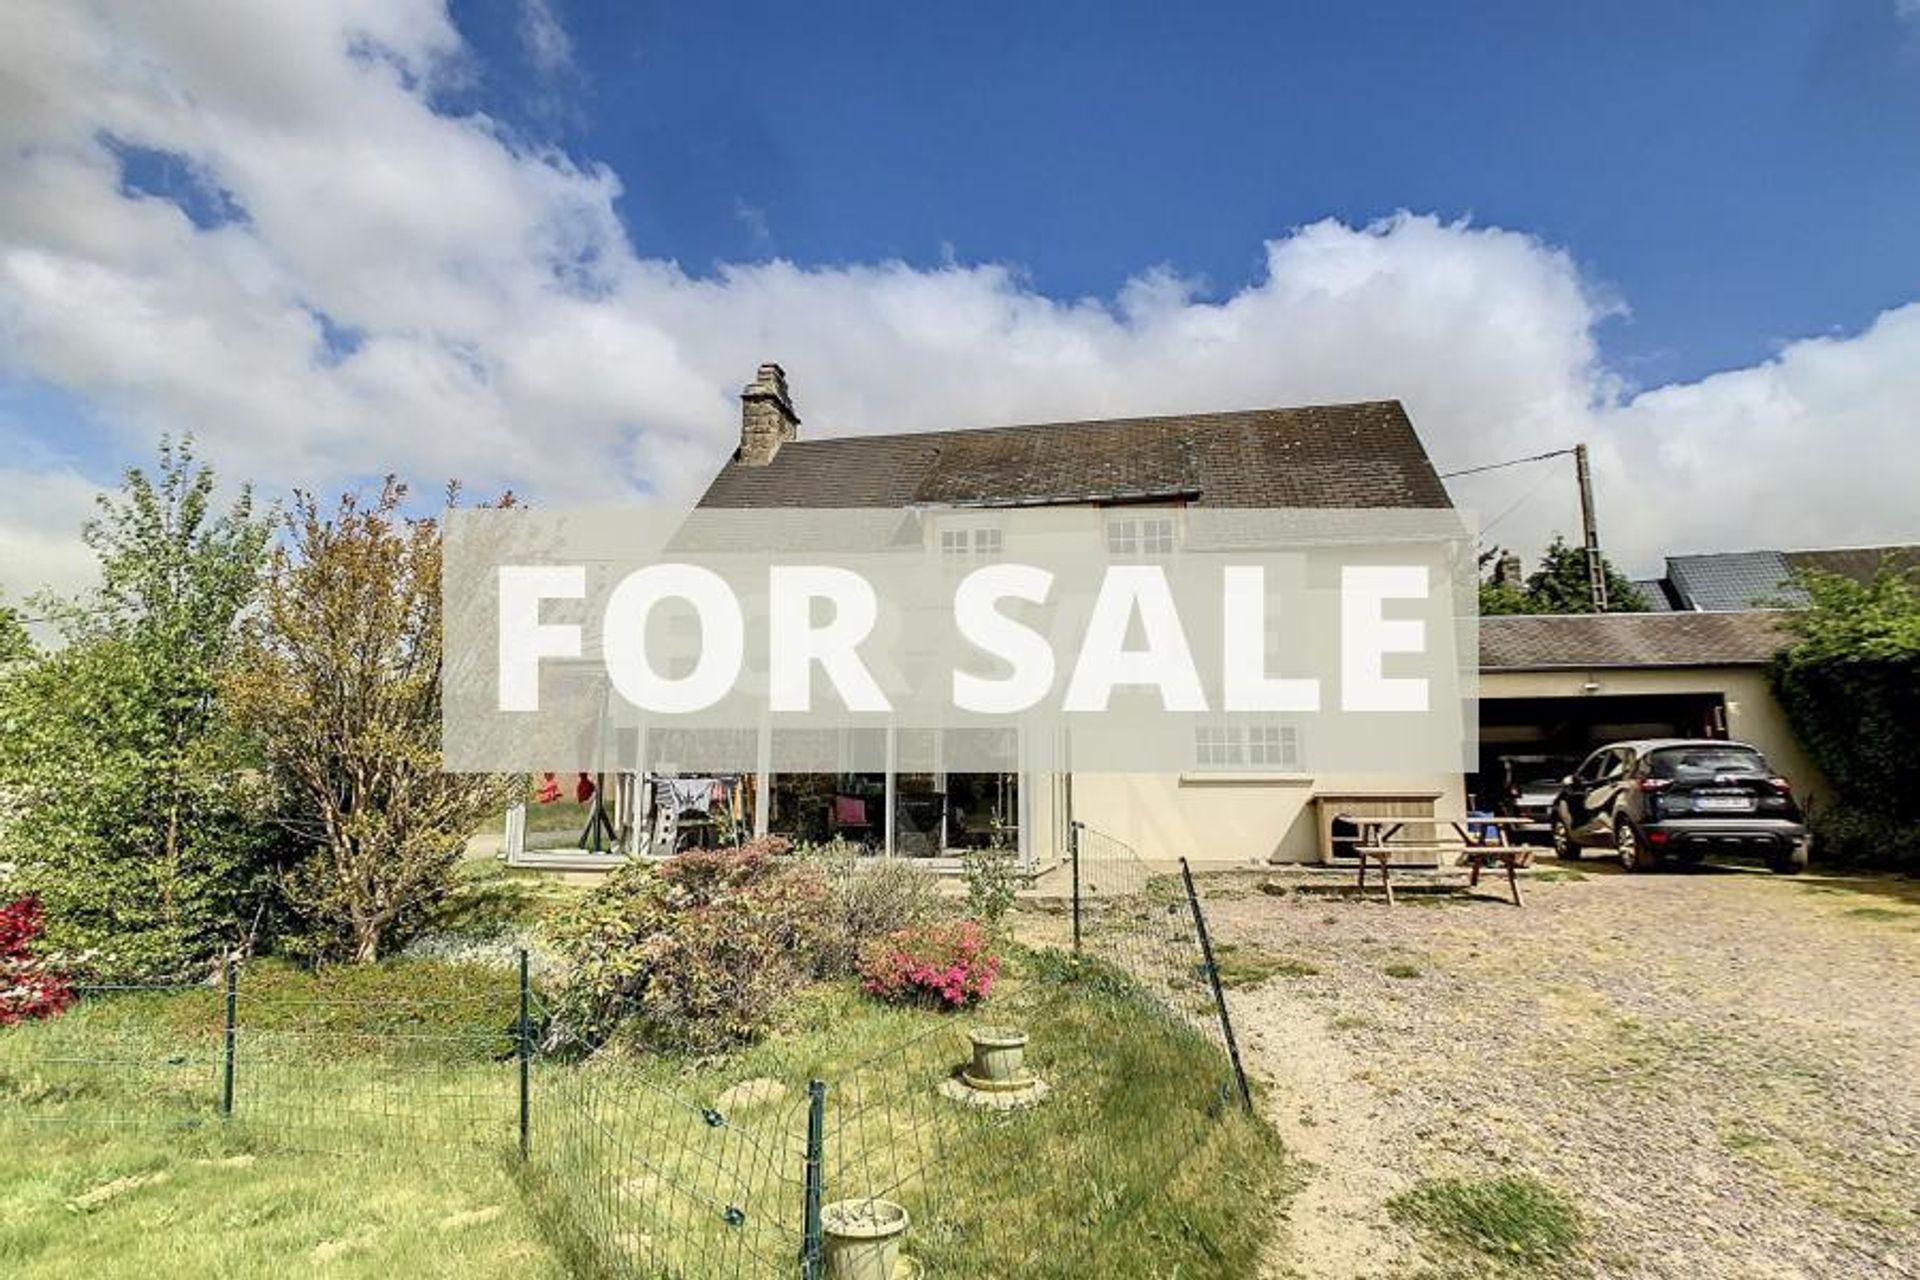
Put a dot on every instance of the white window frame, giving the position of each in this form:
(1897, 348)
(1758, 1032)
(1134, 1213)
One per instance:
(1246, 747)
(1146, 532)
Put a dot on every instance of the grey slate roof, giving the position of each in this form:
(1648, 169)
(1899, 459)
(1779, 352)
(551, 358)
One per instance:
(1654, 592)
(1352, 455)
(1763, 579)
(1733, 580)
(1572, 642)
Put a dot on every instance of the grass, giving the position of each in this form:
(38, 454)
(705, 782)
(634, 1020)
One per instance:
(210, 1202)
(1401, 969)
(1882, 913)
(376, 1119)
(1241, 966)
(1512, 1220)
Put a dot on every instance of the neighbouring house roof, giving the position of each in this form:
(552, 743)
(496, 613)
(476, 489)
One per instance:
(1350, 455)
(1733, 580)
(1654, 592)
(1727, 580)
(1858, 563)
(1563, 642)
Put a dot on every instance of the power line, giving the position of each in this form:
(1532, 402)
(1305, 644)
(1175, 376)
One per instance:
(1511, 462)
(1532, 492)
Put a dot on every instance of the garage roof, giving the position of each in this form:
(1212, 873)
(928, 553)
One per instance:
(1561, 642)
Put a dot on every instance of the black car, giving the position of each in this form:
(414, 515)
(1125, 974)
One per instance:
(1679, 798)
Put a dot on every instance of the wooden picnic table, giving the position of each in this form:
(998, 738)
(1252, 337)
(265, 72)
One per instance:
(1479, 843)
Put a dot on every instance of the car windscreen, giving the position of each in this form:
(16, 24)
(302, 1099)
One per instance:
(1684, 764)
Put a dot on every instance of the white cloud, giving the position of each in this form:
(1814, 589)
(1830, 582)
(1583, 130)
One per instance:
(506, 331)
(548, 46)
(40, 547)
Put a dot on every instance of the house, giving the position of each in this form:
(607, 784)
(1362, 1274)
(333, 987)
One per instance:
(1550, 689)
(1233, 809)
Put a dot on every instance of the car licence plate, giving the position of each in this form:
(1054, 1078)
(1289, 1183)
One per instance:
(1724, 804)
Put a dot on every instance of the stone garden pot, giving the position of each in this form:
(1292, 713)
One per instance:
(862, 1239)
(999, 1056)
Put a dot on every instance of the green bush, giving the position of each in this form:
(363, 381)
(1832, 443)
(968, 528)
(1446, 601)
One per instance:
(700, 953)
(869, 898)
(1850, 684)
(1848, 836)
(993, 878)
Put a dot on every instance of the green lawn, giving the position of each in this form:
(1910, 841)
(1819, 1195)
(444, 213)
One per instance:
(376, 1119)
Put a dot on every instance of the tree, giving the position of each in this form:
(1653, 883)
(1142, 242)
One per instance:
(1560, 585)
(139, 827)
(340, 687)
(15, 644)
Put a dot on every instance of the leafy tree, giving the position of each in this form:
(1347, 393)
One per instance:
(340, 687)
(1850, 684)
(1560, 585)
(15, 643)
(139, 828)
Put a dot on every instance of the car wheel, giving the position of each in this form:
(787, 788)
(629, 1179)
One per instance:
(1563, 845)
(1790, 863)
(1634, 856)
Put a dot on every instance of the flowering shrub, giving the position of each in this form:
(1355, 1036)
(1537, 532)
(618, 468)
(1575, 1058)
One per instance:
(28, 989)
(946, 965)
(700, 953)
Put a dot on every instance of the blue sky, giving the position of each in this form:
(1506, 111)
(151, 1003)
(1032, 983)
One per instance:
(1738, 174)
(540, 244)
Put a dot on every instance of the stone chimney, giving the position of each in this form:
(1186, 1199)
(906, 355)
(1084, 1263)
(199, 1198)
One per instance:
(1508, 571)
(767, 419)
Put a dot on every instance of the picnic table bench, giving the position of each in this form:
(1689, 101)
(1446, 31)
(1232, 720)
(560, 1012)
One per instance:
(1478, 843)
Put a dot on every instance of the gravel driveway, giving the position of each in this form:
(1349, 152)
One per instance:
(1721, 1068)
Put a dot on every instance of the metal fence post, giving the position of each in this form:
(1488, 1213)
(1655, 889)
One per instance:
(232, 978)
(525, 1049)
(1073, 850)
(1213, 980)
(811, 1245)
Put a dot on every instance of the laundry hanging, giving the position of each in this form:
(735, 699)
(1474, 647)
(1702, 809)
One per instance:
(549, 789)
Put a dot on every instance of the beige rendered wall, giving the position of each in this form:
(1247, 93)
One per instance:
(1753, 714)
(1234, 820)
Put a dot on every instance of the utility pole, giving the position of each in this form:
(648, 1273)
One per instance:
(1589, 528)
(1590, 531)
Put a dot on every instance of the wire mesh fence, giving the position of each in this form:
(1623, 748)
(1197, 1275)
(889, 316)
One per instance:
(1021, 1137)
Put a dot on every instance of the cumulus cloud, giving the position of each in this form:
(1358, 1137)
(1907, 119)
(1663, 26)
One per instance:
(371, 285)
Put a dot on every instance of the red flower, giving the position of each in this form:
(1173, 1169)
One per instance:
(946, 965)
(28, 989)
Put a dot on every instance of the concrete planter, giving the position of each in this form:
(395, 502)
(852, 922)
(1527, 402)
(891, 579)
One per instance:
(999, 1056)
(862, 1239)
